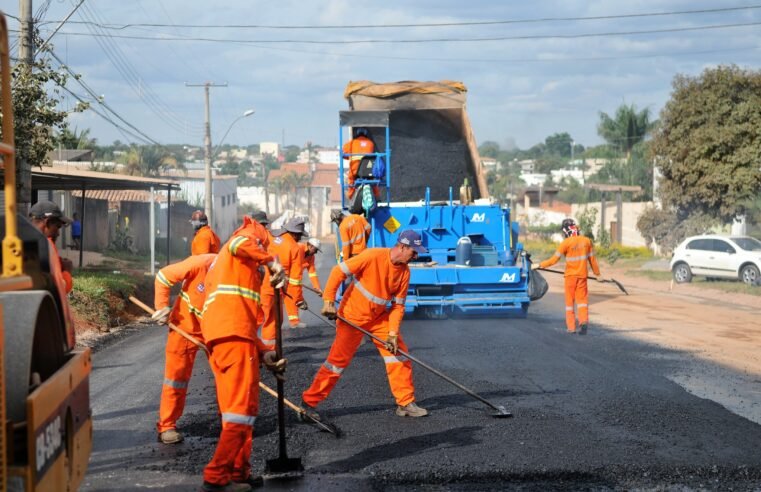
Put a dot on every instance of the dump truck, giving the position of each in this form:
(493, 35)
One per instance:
(44, 379)
(426, 150)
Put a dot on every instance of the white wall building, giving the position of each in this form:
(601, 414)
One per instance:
(559, 174)
(225, 202)
(534, 179)
(326, 155)
(272, 148)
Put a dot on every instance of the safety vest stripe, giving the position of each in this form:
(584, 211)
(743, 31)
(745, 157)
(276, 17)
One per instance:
(344, 268)
(312, 274)
(235, 243)
(267, 341)
(175, 384)
(400, 300)
(357, 238)
(576, 258)
(569, 308)
(390, 359)
(291, 316)
(558, 254)
(237, 418)
(231, 290)
(330, 367)
(369, 296)
(161, 278)
(582, 305)
(185, 297)
(294, 281)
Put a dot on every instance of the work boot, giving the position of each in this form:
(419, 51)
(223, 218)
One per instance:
(310, 411)
(300, 324)
(170, 436)
(411, 410)
(253, 481)
(229, 487)
(583, 329)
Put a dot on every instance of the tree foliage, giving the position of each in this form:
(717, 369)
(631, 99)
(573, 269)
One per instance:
(667, 230)
(626, 128)
(708, 145)
(150, 160)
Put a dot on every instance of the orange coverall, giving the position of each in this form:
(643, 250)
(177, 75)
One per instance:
(359, 145)
(205, 241)
(354, 232)
(291, 256)
(185, 315)
(578, 250)
(376, 283)
(308, 265)
(231, 315)
(64, 284)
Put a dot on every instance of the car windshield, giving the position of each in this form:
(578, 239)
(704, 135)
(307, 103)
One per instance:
(748, 243)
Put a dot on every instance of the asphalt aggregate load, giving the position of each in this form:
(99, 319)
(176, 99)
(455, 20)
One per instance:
(428, 149)
(591, 413)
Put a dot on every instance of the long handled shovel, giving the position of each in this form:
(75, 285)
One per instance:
(326, 426)
(601, 280)
(282, 467)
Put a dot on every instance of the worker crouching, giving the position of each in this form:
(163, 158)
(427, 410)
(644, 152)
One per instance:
(230, 320)
(380, 276)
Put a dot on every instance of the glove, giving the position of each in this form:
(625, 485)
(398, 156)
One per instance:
(329, 310)
(277, 274)
(318, 292)
(274, 365)
(161, 316)
(535, 266)
(302, 304)
(392, 342)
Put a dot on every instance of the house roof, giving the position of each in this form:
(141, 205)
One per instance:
(328, 178)
(72, 155)
(65, 178)
(114, 197)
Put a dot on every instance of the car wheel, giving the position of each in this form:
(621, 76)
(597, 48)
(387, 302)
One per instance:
(750, 275)
(682, 273)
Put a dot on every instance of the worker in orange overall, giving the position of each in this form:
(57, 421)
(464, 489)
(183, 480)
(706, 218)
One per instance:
(360, 144)
(231, 316)
(285, 247)
(180, 352)
(354, 231)
(311, 248)
(205, 240)
(380, 277)
(577, 250)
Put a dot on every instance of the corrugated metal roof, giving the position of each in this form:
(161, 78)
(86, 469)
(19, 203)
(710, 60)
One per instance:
(64, 178)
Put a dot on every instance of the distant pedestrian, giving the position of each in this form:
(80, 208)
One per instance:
(205, 240)
(577, 250)
(76, 231)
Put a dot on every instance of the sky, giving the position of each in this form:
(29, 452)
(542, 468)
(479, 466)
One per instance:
(552, 69)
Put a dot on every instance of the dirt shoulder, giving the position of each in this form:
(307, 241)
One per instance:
(713, 335)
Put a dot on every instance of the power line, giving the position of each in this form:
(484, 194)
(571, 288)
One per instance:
(167, 37)
(434, 24)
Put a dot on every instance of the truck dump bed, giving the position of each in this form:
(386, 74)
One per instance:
(431, 137)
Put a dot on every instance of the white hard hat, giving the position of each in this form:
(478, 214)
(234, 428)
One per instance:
(313, 241)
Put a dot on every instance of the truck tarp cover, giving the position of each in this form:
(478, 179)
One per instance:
(431, 140)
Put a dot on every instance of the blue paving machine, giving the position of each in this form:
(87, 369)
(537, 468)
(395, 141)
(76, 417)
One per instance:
(422, 134)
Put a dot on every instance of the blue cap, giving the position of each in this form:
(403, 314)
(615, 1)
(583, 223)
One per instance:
(412, 239)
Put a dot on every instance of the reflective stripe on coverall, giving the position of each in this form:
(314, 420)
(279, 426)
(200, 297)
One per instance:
(291, 256)
(578, 250)
(354, 231)
(359, 145)
(376, 283)
(180, 353)
(230, 319)
(205, 241)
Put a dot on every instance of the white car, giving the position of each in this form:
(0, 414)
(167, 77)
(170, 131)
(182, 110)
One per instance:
(718, 257)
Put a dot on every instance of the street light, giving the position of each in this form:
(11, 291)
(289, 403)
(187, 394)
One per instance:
(207, 179)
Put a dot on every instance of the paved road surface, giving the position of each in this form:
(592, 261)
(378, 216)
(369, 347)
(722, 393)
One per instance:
(590, 412)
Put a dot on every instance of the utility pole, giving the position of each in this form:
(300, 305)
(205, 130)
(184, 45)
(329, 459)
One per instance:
(26, 54)
(208, 199)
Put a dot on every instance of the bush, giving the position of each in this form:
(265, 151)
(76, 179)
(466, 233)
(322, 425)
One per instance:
(100, 297)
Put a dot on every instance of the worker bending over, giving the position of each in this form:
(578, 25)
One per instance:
(354, 231)
(180, 352)
(231, 316)
(577, 250)
(205, 240)
(380, 276)
(311, 248)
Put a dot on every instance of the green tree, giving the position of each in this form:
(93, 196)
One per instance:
(489, 149)
(69, 139)
(708, 146)
(559, 144)
(150, 160)
(626, 128)
(35, 96)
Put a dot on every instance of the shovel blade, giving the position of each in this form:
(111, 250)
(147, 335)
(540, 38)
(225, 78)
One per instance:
(284, 468)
